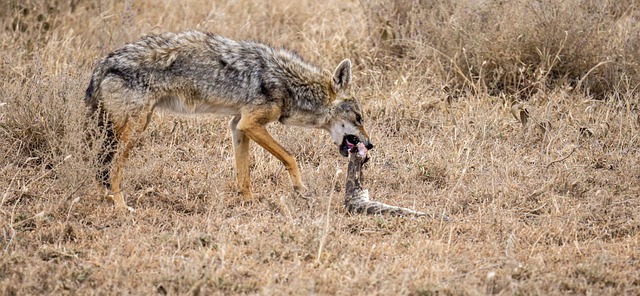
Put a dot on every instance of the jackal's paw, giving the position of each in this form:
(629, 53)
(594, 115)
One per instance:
(300, 189)
(118, 202)
(126, 208)
(306, 195)
(247, 196)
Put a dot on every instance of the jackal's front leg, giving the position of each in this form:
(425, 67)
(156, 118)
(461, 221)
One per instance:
(241, 151)
(252, 125)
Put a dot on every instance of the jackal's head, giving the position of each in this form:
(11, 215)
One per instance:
(346, 122)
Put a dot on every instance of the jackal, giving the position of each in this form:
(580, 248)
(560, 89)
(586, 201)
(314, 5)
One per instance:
(196, 72)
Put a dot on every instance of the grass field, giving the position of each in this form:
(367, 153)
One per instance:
(519, 120)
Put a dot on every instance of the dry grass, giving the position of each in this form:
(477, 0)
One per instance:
(535, 210)
(517, 47)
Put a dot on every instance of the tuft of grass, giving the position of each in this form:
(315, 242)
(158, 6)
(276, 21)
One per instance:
(515, 47)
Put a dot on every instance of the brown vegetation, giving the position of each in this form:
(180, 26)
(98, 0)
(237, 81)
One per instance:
(518, 119)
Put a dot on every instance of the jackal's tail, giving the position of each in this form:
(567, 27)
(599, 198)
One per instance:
(105, 129)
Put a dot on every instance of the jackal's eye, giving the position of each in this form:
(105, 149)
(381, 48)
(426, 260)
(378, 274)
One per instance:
(358, 118)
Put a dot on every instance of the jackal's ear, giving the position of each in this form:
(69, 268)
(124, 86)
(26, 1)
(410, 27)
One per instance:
(342, 77)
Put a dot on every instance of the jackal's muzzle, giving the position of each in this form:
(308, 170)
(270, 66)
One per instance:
(350, 141)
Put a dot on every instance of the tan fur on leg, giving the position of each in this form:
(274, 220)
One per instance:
(128, 132)
(241, 149)
(252, 124)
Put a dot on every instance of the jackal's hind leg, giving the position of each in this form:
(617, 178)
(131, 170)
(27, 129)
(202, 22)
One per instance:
(241, 151)
(128, 130)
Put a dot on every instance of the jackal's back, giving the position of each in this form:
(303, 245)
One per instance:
(204, 66)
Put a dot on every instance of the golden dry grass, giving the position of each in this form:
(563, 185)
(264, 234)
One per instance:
(534, 211)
